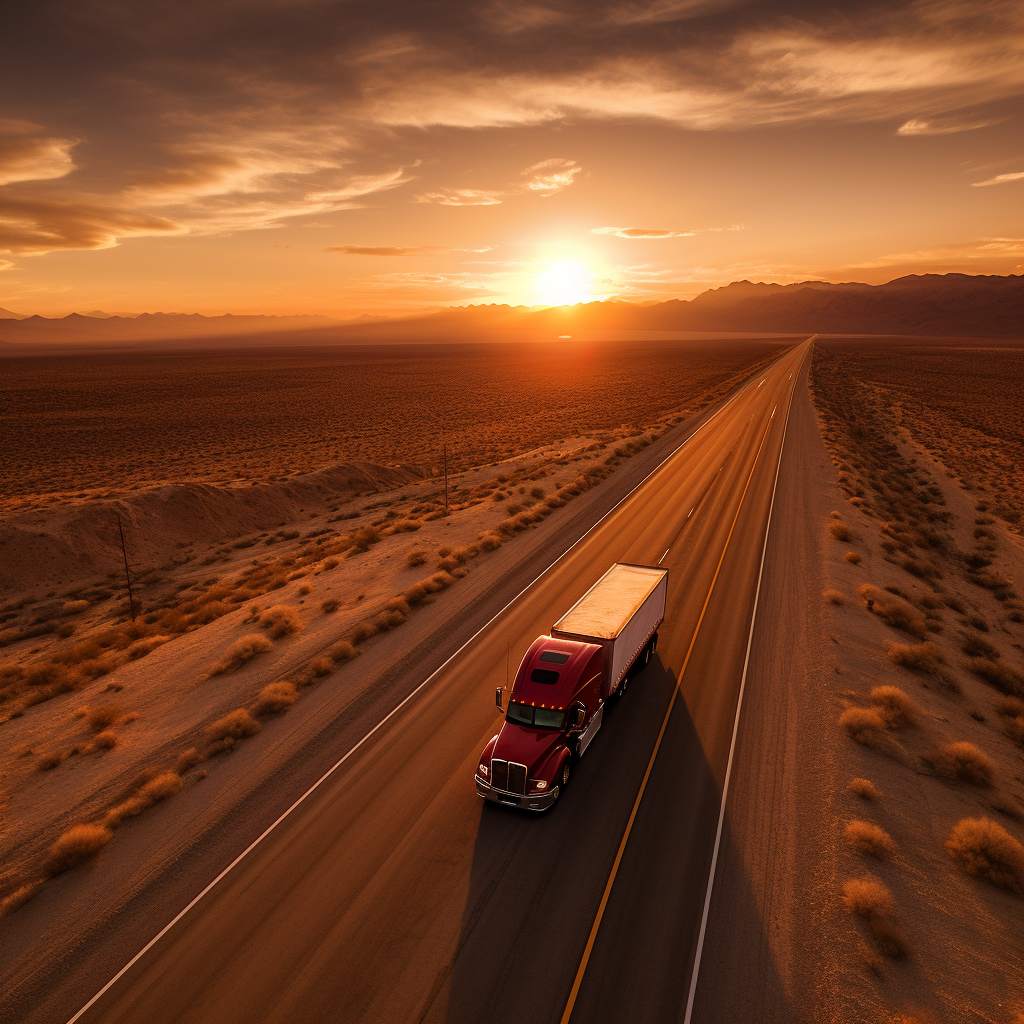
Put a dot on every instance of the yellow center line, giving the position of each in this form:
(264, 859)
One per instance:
(657, 745)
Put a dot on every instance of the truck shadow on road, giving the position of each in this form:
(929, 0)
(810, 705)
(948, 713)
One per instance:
(537, 882)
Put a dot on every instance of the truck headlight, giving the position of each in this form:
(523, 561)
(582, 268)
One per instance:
(484, 771)
(540, 785)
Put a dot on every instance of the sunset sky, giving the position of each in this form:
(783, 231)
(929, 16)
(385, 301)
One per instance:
(300, 156)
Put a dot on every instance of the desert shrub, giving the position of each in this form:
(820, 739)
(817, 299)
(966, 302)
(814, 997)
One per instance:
(18, 898)
(240, 653)
(105, 740)
(839, 531)
(363, 631)
(329, 606)
(102, 718)
(74, 607)
(50, 761)
(416, 557)
(280, 620)
(1010, 707)
(869, 839)
(834, 596)
(865, 789)
(872, 901)
(498, 496)
(160, 787)
(236, 725)
(305, 589)
(329, 563)
(897, 709)
(852, 557)
(895, 612)
(1014, 728)
(962, 760)
(984, 848)
(867, 726)
(364, 538)
(489, 541)
(188, 760)
(77, 844)
(275, 698)
(537, 492)
(976, 647)
(341, 651)
(1002, 677)
(920, 657)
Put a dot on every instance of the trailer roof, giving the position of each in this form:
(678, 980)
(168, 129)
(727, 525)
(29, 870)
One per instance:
(612, 601)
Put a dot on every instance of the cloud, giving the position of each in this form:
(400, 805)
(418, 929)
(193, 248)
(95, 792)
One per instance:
(944, 125)
(999, 179)
(980, 256)
(402, 250)
(551, 176)
(28, 154)
(462, 197)
(643, 232)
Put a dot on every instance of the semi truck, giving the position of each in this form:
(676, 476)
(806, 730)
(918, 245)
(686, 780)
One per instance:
(565, 681)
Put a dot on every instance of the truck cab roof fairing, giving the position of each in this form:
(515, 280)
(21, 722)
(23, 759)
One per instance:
(559, 692)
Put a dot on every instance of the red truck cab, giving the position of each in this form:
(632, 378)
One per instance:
(554, 710)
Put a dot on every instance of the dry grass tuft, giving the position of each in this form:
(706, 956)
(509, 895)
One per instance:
(984, 848)
(871, 900)
(867, 726)
(275, 698)
(341, 651)
(234, 726)
(839, 531)
(78, 844)
(417, 557)
(869, 839)
(280, 620)
(162, 786)
(897, 709)
(329, 606)
(105, 740)
(962, 760)
(240, 653)
(865, 789)
(924, 657)
(852, 557)
(18, 898)
(834, 596)
(1002, 677)
(102, 718)
(894, 611)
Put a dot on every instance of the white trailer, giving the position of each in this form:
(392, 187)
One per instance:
(622, 612)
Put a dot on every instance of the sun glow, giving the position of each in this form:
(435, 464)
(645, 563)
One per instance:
(564, 283)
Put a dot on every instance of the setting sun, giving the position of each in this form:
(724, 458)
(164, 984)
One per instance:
(564, 283)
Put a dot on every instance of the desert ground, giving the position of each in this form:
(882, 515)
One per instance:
(871, 866)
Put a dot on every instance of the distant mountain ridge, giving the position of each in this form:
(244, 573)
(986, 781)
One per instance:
(929, 305)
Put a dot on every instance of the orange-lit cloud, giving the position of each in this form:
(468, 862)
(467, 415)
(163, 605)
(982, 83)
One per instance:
(28, 154)
(643, 232)
(402, 250)
(999, 179)
(944, 125)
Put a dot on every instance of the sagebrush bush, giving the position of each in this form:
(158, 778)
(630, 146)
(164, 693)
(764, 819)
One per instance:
(280, 620)
(104, 717)
(1001, 676)
(77, 844)
(415, 558)
(240, 653)
(867, 726)
(852, 557)
(329, 606)
(896, 707)
(865, 789)
(834, 597)
(839, 531)
(894, 611)
(869, 839)
(275, 698)
(871, 900)
(962, 760)
(984, 848)
(924, 657)
(236, 725)
(160, 787)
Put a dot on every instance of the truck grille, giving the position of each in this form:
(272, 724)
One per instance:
(517, 778)
(511, 777)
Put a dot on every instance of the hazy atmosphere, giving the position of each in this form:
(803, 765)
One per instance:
(349, 158)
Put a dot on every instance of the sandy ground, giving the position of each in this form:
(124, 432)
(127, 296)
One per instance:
(964, 936)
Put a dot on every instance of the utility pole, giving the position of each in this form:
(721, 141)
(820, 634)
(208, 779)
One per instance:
(446, 479)
(127, 572)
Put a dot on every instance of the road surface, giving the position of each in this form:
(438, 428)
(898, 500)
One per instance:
(393, 894)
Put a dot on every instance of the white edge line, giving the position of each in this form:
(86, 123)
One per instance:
(316, 785)
(735, 731)
(667, 550)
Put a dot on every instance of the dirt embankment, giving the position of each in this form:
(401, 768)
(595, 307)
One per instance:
(67, 543)
(927, 637)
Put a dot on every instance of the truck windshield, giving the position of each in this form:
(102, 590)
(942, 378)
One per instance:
(538, 718)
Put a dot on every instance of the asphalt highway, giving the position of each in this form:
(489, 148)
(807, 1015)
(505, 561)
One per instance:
(393, 894)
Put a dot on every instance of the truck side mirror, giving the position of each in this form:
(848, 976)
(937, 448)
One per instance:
(498, 694)
(579, 716)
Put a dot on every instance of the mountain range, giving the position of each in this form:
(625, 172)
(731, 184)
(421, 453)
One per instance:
(929, 305)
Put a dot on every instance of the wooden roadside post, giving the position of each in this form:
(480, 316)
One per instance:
(127, 571)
